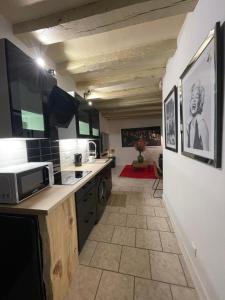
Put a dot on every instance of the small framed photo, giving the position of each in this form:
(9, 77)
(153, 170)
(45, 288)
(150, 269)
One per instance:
(201, 102)
(170, 120)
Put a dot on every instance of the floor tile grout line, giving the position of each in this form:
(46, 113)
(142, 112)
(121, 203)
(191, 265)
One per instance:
(92, 253)
(149, 258)
(98, 285)
(182, 269)
(135, 237)
(171, 292)
(112, 234)
(121, 252)
(161, 241)
(161, 251)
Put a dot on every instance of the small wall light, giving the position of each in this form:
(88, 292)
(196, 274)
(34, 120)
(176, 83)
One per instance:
(40, 61)
(89, 103)
(52, 72)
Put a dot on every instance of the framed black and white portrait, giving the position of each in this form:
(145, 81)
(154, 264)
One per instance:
(170, 120)
(201, 102)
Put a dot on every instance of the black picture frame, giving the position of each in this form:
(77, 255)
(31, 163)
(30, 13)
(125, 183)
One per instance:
(193, 146)
(151, 135)
(171, 145)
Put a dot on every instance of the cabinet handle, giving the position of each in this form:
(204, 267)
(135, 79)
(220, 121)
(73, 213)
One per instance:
(86, 221)
(85, 200)
(90, 194)
(91, 213)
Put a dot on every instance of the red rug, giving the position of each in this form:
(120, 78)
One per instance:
(145, 173)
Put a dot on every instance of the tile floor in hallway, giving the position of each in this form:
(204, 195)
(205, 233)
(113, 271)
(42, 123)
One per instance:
(132, 254)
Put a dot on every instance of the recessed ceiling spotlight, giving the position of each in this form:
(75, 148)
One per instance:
(40, 61)
(89, 103)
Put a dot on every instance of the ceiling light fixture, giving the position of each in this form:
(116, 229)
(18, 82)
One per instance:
(90, 103)
(40, 61)
(87, 94)
(52, 72)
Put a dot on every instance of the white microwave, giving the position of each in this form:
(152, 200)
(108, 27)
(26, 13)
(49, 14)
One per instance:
(20, 182)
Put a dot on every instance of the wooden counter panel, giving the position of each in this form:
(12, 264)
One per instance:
(60, 248)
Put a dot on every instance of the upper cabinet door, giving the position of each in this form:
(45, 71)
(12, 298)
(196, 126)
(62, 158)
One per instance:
(87, 120)
(83, 121)
(25, 83)
(95, 128)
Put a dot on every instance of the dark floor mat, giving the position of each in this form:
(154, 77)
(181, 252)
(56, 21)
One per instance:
(117, 200)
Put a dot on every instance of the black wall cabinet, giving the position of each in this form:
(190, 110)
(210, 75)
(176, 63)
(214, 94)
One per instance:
(24, 92)
(87, 120)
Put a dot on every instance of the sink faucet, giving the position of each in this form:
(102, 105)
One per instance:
(94, 151)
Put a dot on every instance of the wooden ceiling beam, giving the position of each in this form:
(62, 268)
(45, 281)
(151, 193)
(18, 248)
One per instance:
(132, 112)
(159, 116)
(106, 81)
(132, 109)
(153, 51)
(133, 115)
(151, 91)
(73, 14)
(101, 16)
(124, 104)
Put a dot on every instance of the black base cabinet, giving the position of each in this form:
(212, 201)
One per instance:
(20, 258)
(91, 201)
(104, 188)
(86, 211)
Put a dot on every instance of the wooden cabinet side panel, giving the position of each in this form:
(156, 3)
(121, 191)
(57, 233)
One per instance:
(60, 249)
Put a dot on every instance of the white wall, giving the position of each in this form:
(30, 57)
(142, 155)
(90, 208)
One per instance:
(193, 191)
(126, 155)
(104, 124)
(12, 152)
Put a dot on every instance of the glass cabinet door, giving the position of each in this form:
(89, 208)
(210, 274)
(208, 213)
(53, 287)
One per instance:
(25, 86)
(94, 116)
(83, 121)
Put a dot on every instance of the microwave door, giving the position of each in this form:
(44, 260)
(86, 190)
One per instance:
(32, 181)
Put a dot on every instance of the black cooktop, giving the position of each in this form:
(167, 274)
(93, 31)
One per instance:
(69, 177)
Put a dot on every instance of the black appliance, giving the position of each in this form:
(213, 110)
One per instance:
(61, 108)
(24, 91)
(160, 161)
(86, 200)
(104, 142)
(69, 177)
(104, 187)
(78, 159)
(21, 272)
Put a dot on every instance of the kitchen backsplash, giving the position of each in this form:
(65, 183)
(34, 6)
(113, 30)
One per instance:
(12, 152)
(69, 147)
(58, 152)
(44, 150)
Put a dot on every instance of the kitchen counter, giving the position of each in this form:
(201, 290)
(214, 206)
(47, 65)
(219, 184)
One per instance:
(50, 198)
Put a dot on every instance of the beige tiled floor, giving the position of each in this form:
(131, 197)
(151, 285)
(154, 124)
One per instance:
(132, 254)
